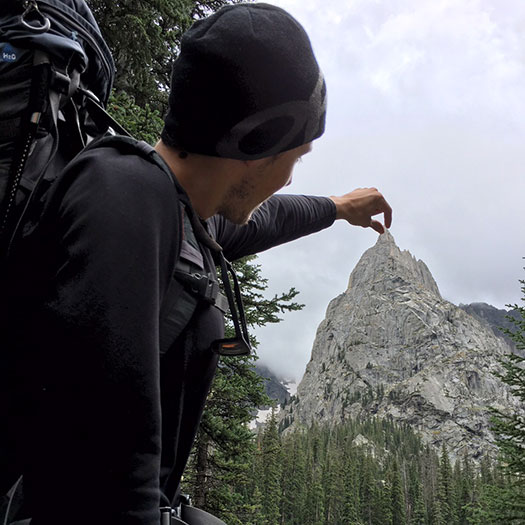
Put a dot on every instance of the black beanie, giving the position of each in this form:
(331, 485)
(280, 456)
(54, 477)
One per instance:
(246, 85)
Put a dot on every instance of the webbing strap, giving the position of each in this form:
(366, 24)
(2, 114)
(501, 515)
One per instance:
(100, 116)
(190, 284)
(178, 307)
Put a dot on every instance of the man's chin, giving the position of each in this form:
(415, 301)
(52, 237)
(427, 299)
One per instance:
(240, 219)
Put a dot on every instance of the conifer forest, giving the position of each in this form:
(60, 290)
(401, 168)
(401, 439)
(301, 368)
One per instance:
(363, 472)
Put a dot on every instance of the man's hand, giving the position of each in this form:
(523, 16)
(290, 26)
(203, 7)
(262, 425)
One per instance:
(359, 206)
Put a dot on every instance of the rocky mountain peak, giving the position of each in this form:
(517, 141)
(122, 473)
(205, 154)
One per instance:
(385, 266)
(391, 347)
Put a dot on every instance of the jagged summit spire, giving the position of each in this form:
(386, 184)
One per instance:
(386, 238)
(385, 266)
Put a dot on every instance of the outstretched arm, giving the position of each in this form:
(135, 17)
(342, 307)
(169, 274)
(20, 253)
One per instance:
(280, 219)
(283, 218)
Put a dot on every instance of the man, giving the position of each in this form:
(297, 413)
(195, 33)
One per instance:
(107, 405)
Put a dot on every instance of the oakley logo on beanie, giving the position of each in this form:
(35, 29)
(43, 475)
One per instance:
(245, 86)
(288, 125)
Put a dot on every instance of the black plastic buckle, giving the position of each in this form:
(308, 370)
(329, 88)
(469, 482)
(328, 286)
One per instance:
(205, 287)
(166, 514)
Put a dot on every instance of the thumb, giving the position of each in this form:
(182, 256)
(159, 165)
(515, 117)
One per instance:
(377, 226)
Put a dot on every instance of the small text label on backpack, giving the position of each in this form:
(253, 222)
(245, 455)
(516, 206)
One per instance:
(8, 54)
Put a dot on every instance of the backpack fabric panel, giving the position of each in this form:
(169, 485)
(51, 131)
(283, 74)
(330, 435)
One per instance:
(103, 361)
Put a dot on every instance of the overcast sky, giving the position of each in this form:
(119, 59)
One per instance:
(426, 101)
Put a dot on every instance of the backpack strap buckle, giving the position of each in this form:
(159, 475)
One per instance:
(61, 82)
(166, 513)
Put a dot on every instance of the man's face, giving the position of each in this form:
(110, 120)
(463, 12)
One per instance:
(262, 180)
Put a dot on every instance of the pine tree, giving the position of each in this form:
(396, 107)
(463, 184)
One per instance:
(428, 467)
(458, 494)
(509, 429)
(316, 498)
(445, 487)
(333, 480)
(437, 513)
(366, 493)
(397, 495)
(418, 516)
(466, 492)
(271, 471)
(143, 123)
(256, 512)
(351, 502)
(144, 37)
(414, 497)
(381, 503)
(293, 483)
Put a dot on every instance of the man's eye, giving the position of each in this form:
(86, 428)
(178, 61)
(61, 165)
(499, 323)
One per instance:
(299, 159)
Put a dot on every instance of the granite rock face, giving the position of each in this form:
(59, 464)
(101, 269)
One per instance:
(390, 346)
(497, 319)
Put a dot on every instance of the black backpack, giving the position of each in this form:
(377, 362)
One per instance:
(189, 286)
(56, 75)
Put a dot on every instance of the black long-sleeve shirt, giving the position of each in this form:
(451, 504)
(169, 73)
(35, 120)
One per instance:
(88, 283)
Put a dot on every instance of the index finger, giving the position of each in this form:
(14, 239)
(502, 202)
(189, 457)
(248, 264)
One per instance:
(387, 214)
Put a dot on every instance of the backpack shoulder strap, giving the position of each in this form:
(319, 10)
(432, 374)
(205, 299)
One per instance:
(139, 147)
(174, 300)
(190, 282)
(130, 146)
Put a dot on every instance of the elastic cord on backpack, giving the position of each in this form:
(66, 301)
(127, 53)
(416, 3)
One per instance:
(35, 193)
